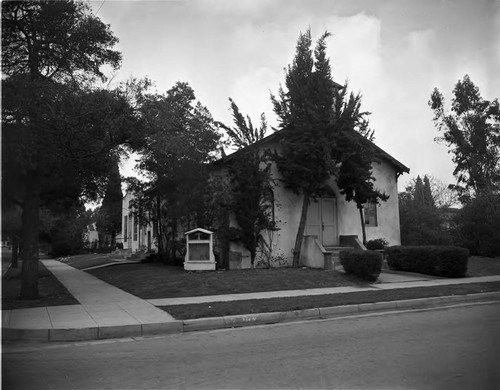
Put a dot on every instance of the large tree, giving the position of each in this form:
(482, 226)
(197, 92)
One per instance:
(57, 131)
(109, 221)
(421, 219)
(305, 114)
(180, 140)
(472, 131)
(321, 127)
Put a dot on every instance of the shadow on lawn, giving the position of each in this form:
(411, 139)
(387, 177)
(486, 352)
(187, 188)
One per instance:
(51, 291)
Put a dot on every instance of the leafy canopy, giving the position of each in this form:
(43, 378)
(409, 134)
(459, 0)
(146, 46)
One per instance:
(472, 131)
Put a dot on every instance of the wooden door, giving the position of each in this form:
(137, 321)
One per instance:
(322, 220)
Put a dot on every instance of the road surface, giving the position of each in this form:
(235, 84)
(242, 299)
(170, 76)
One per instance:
(454, 348)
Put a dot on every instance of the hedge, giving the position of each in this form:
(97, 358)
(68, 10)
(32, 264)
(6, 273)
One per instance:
(364, 264)
(447, 261)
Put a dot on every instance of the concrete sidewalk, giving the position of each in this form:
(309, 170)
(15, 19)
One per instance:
(109, 312)
(104, 312)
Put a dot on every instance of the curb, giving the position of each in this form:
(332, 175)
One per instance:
(238, 321)
(332, 312)
(92, 333)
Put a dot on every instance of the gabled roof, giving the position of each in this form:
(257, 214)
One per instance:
(199, 230)
(276, 136)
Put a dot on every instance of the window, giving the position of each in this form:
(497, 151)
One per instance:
(125, 228)
(371, 214)
(268, 206)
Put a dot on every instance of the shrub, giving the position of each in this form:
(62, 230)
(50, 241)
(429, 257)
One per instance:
(378, 243)
(364, 264)
(447, 261)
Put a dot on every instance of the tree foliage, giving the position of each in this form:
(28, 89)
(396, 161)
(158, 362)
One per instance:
(250, 179)
(109, 221)
(55, 40)
(476, 225)
(244, 133)
(322, 128)
(421, 221)
(472, 130)
(181, 138)
(58, 132)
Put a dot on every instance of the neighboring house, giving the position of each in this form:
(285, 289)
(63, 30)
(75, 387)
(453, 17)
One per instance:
(91, 237)
(136, 235)
(330, 219)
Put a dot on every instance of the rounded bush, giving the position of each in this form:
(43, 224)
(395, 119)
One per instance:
(364, 264)
(378, 243)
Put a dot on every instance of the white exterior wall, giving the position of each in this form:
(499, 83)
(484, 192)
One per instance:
(387, 212)
(140, 240)
(288, 208)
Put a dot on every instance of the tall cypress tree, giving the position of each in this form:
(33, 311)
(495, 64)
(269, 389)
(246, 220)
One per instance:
(305, 112)
(321, 127)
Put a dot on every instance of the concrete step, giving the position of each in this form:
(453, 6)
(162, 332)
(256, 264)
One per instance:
(136, 256)
(336, 249)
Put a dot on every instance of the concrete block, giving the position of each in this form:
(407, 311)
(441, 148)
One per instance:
(299, 314)
(74, 334)
(377, 306)
(204, 324)
(110, 332)
(25, 334)
(162, 328)
(269, 318)
(326, 312)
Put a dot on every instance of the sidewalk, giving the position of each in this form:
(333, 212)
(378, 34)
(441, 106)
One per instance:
(104, 312)
(109, 312)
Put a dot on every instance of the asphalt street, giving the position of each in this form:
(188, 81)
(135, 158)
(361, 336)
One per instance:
(453, 348)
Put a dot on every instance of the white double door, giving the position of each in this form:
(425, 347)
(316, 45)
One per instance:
(322, 220)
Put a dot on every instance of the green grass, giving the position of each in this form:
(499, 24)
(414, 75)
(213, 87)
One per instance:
(483, 266)
(90, 259)
(219, 309)
(51, 291)
(154, 280)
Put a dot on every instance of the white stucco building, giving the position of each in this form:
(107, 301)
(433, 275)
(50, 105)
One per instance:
(331, 220)
(136, 235)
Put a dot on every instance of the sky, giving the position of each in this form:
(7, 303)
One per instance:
(393, 52)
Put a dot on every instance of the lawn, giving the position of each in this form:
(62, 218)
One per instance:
(270, 305)
(483, 266)
(91, 259)
(51, 291)
(154, 280)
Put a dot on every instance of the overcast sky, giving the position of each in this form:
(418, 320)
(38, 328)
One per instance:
(394, 52)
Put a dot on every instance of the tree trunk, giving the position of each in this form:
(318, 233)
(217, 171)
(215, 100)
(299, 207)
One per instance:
(300, 232)
(30, 218)
(15, 251)
(161, 248)
(174, 237)
(363, 227)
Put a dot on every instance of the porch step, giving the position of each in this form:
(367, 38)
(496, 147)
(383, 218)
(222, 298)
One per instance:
(337, 249)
